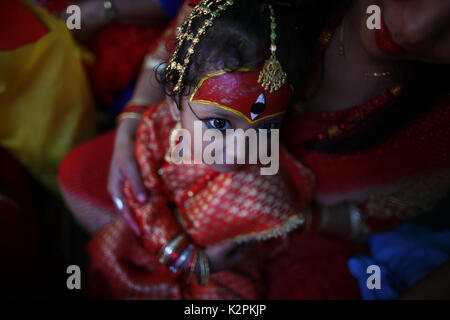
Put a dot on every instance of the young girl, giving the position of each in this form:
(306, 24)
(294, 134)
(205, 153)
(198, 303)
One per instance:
(224, 74)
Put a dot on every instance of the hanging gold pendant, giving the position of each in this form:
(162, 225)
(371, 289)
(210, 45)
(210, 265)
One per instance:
(272, 77)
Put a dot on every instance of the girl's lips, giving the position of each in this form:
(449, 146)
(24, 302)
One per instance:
(383, 38)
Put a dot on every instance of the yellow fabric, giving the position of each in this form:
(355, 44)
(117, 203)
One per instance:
(46, 106)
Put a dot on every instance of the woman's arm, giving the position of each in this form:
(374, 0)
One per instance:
(95, 15)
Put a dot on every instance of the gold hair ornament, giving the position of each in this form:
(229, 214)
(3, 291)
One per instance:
(205, 8)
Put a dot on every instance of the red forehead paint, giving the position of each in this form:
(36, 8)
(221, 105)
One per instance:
(239, 92)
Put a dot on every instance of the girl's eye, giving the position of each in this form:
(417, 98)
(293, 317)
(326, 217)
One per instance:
(219, 124)
(269, 126)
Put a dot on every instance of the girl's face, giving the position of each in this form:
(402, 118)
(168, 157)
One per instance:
(216, 118)
(411, 30)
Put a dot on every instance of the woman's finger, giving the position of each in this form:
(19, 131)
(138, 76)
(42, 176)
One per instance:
(135, 179)
(115, 189)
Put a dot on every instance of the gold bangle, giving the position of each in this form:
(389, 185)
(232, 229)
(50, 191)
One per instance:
(129, 115)
(204, 268)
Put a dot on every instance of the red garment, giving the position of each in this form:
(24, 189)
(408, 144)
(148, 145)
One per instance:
(119, 52)
(78, 176)
(18, 26)
(213, 209)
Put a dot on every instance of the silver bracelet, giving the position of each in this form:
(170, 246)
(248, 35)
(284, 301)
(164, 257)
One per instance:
(182, 258)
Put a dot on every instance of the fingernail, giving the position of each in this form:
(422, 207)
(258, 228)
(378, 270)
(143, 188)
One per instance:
(118, 203)
(141, 197)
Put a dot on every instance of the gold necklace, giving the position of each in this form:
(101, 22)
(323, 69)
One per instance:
(341, 51)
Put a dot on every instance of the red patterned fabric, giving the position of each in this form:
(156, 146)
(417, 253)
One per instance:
(212, 209)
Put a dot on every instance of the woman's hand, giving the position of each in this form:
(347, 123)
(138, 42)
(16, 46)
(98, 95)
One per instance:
(224, 256)
(124, 166)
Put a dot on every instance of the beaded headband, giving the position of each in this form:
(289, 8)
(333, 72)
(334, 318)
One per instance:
(271, 77)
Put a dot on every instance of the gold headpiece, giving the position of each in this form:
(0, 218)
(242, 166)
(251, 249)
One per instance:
(205, 8)
(272, 76)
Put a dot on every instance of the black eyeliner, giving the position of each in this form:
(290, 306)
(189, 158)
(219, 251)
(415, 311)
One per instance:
(205, 121)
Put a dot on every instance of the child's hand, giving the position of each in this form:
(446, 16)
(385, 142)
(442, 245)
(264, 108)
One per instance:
(224, 256)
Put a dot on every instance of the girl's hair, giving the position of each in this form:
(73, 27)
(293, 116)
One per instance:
(239, 37)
